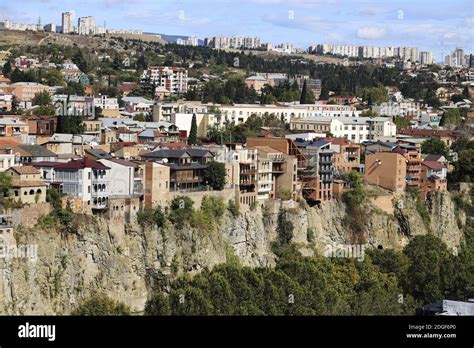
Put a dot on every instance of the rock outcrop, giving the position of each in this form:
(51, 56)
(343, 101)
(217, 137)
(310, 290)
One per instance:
(128, 262)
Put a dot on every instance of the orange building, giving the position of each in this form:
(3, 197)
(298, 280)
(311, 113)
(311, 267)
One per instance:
(26, 91)
(347, 154)
(433, 176)
(386, 169)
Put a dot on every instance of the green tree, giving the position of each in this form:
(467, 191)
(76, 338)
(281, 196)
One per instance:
(451, 118)
(190, 301)
(434, 146)
(284, 228)
(355, 194)
(215, 175)
(7, 69)
(428, 256)
(401, 122)
(42, 99)
(158, 305)
(234, 208)
(304, 94)
(181, 211)
(101, 306)
(139, 117)
(464, 167)
(15, 104)
(192, 139)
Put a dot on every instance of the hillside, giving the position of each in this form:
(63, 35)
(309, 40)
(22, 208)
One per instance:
(24, 38)
(128, 262)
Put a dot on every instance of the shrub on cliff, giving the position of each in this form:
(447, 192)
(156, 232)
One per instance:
(98, 305)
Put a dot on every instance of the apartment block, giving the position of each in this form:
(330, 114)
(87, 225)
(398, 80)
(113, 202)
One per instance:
(84, 180)
(276, 173)
(346, 155)
(356, 129)
(386, 169)
(433, 176)
(172, 79)
(186, 167)
(318, 175)
(412, 156)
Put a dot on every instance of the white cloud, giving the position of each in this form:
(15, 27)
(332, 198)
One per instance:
(371, 33)
(469, 21)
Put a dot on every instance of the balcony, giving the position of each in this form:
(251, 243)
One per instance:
(186, 179)
(100, 193)
(326, 161)
(247, 182)
(248, 171)
(100, 203)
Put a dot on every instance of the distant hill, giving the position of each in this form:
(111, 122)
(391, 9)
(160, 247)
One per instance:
(174, 38)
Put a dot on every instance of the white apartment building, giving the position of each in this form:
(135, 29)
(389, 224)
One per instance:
(50, 28)
(221, 42)
(68, 22)
(106, 103)
(356, 129)
(86, 25)
(172, 79)
(190, 41)
(83, 179)
(426, 58)
(125, 180)
(7, 159)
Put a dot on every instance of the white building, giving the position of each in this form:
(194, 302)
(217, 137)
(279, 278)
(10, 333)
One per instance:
(84, 179)
(137, 104)
(68, 22)
(7, 159)
(124, 177)
(426, 58)
(356, 129)
(106, 103)
(190, 41)
(50, 28)
(173, 79)
(86, 25)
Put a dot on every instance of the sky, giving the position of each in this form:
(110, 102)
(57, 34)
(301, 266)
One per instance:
(434, 25)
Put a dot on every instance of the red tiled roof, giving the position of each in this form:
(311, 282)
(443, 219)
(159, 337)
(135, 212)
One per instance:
(427, 132)
(81, 164)
(433, 164)
(45, 164)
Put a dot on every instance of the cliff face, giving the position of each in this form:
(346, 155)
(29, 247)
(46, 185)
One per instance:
(127, 261)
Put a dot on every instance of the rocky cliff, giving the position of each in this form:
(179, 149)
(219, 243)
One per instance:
(128, 261)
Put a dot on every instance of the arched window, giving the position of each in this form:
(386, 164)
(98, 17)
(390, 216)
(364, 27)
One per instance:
(38, 191)
(32, 192)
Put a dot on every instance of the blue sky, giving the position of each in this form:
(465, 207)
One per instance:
(439, 26)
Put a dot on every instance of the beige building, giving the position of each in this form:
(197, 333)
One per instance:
(386, 169)
(27, 185)
(25, 91)
(156, 184)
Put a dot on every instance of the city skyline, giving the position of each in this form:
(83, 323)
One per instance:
(302, 22)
